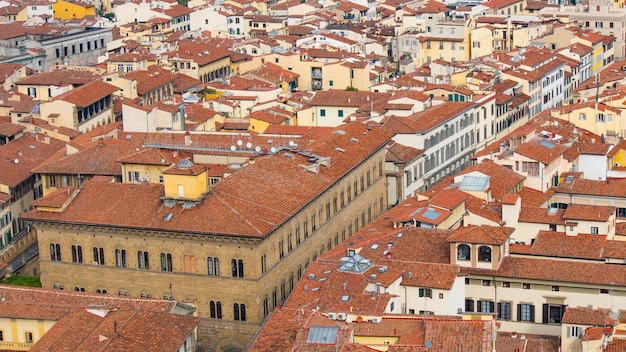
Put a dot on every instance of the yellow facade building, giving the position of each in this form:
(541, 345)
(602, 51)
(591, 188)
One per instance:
(67, 10)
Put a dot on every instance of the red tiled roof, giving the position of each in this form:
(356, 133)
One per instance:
(23, 154)
(234, 198)
(99, 158)
(481, 234)
(425, 120)
(88, 93)
(587, 316)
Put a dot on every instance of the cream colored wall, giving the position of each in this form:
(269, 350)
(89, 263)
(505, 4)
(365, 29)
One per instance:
(66, 111)
(137, 120)
(540, 292)
(484, 36)
(128, 88)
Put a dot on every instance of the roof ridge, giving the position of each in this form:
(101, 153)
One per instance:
(227, 204)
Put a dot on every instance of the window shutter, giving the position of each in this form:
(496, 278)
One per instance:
(479, 306)
(545, 313)
(532, 313)
(519, 312)
(469, 305)
(499, 310)
(421, 292)
(563, 307)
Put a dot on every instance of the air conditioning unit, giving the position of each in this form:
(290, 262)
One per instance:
(341, 316)
(95, 263)
(332, 316)
(146, 179)
(376, 320)
(140, 179)
(459, 311)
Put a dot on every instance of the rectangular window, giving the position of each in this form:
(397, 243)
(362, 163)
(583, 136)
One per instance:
(506, 284)
(469, 305)
(575, 332)
(486, 283)
(555, 288)
(525, 312)
(552, 313)
(331, 83)
(426, 292)
(29, 337)
(604, 291)
(340, 113)
(485, 306)
(322, 112)
(526, 286)
(504, 310)
(594, 230)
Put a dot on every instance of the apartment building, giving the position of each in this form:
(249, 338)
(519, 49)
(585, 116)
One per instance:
(173, 247)
(601, 16)
(541, 75)
(83, 108)
(445, 132)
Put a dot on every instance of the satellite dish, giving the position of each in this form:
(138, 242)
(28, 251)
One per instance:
(233, 148)
(273, 149)
(248, 145)
(17, 161)
(291, 143)
(239, 142)
(257, 149)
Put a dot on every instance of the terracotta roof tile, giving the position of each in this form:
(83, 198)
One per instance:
(607, 275)
(99, 158)
(542, 151)
(402, 154)
(558, 244)
(481, 234)
(87, 94)
(22, 155)
(244, 192)
(117, 330)
(587, 316)
(588, 212)
(425, 120)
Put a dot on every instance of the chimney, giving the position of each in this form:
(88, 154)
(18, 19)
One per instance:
(46, 139)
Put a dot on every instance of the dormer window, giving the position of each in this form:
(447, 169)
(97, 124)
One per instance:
(484, 254)
(463, 252)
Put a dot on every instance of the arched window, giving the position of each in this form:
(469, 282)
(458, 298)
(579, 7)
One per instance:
(143, 260)
(484, 254)
(77, 254)
(213, 266)
(98, 255)
(166, 262)
(240, 311)
(55, 252)
(215, 308)
(463, 252)
(237, 267)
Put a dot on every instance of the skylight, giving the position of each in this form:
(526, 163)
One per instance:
(431, 214)
(322, 334)
(355, 264)
(474, 183)
(547, 144)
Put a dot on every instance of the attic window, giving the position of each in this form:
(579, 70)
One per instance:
(345, 298)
